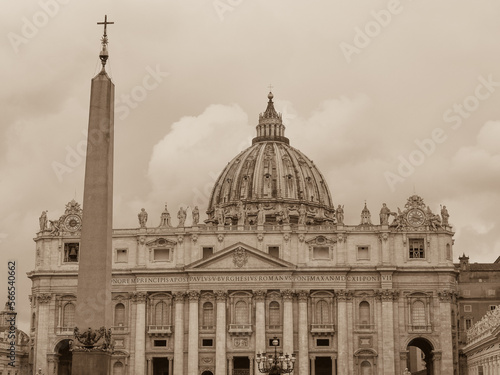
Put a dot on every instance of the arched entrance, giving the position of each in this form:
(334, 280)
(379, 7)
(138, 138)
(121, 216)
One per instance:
(65, 358)
(207, 373)
(419, 360)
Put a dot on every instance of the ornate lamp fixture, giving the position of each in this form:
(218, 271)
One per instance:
(277, 364)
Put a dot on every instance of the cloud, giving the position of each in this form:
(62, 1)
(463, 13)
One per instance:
(477, 167)
(186, 162)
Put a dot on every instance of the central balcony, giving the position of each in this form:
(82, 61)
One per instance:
(163, 330)
(240, 329)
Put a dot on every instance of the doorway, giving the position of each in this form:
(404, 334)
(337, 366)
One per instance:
(241, 366)
(323, 365)
(160, 366)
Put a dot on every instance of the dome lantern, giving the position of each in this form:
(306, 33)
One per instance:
(270, 126)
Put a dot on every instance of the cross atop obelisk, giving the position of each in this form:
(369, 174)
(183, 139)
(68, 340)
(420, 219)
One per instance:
(105, 23)
(104, 40)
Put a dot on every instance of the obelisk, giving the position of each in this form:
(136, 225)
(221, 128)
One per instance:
(92, 346)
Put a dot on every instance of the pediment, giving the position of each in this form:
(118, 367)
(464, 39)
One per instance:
(240, 256)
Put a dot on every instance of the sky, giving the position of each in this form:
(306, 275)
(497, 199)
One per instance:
(388, 98)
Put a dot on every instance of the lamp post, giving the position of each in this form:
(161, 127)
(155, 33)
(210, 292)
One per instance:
(277, 364)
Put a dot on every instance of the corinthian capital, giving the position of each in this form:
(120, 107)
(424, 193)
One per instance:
(179, 296)
(193, 295)
(43, 298)
(343, 294)
(259, 295)
(387, 294)
(287, 295)
(220, 295)
(302, 295)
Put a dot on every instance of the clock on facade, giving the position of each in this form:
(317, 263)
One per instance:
(415, 217)
(72, 223)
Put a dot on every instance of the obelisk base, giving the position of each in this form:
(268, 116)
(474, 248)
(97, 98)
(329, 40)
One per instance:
(90, 363)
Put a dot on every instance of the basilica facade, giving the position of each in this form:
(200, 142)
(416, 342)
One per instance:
(274, 259)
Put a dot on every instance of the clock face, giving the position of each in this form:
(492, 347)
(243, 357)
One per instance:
(72, 223)
(416, 217)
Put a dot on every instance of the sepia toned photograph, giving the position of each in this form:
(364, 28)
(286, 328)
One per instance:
(244, 187)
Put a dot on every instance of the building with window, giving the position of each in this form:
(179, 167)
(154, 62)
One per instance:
(479, 293)
(483, 345)
(274, 259)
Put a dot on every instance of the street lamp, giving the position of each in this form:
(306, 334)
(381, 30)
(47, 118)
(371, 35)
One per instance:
(279, 364)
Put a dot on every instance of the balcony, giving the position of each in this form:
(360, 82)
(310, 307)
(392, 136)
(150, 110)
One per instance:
(240, 329)
(207, 329)
(322, 329)
(163, 330)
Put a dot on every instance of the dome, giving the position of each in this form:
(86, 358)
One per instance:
(270, 177)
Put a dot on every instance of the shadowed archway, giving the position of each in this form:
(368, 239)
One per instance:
(426, 350)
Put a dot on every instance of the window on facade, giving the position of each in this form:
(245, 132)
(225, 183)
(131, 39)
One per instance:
(121, 256)
(274, 313)
(119, 315)
(274, 251)
(322, 313)
(321, 252)
(161, 255)
(448, 252)
(161, 314)
(468, 323)
(160, 342)
(480, 370)
(322, 342)
(492, 307)
(418, 314)
(467, 308)
(491, 292)
(364, 313)
(69, 315)
(363, 253)
(207, 342)
(466, 292)
(241, 313)
(208, 251)
(71, 251)
(416, 248)
(208, 314)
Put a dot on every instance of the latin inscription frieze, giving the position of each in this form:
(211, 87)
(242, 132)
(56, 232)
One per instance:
(248, 278)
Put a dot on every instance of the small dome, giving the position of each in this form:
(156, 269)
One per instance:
(274, 175)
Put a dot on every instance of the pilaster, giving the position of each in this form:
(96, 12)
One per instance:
(342, 338)
(193, 297)
(303, 369)
(445, 336)
(140, 332)
(287, 296)
(260, 323)
(179, 333)
(220, 343)
(43, 318)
